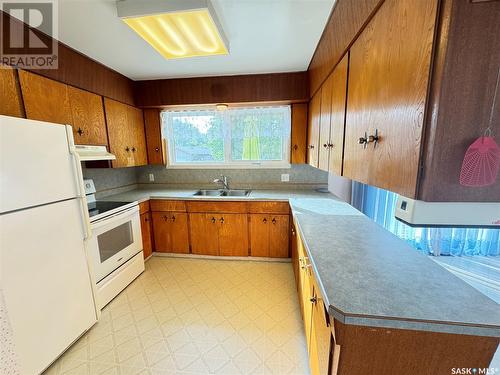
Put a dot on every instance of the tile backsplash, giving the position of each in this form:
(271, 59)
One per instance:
(301, 177)
(111, 181)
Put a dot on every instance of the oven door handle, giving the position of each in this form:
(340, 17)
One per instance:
(122, 215)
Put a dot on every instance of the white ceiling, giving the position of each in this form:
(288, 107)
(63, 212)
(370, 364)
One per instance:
(264, 36)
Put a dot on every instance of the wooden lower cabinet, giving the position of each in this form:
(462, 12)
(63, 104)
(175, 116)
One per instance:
(269, 235)
(147, 242)
(219, 234)
(204, 233)
(171, 232)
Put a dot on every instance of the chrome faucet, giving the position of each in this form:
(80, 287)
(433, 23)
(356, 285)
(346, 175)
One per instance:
(223, 181)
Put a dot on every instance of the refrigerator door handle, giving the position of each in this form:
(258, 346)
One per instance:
(79, 181)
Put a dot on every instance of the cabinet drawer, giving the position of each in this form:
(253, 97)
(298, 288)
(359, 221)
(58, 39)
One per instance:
(229, 207)
(166, 205)
(143, 207)
(269, 207)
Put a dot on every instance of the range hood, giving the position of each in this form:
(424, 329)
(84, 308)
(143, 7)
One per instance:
(89, 153)
(447, 214)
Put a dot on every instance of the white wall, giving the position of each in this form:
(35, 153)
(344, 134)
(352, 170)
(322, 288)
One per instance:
(340, 186)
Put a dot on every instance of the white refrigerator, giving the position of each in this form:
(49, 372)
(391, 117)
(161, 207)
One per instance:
(45, 284)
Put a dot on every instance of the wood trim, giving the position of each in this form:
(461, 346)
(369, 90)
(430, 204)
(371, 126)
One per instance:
(219, 207)
(273, 87)
(269, 207)
(167, 205)
(347, 20)
(78, 70)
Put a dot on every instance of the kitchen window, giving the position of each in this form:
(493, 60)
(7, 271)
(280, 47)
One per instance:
(240, 137)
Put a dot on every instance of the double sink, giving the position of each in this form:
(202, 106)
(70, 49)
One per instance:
(223, 193)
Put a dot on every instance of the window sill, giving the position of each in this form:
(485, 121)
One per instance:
(229, 166)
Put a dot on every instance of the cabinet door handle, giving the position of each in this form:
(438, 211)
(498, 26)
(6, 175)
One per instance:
(325, 145)
(374, 138)
(127, 149)
(292, 230)
(274, 220)
(311, 147)
(157, 149)
(313, 300)
(331, 145)
(173, 217)
(363, 140)
(133, 149)
(213, 220)
(165, 217)
(222, 220)
(146, 219)
(80, 131)
(295, 147)
(264, 221)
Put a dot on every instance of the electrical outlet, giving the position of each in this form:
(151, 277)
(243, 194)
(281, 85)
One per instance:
(285, 177)
(151, 177)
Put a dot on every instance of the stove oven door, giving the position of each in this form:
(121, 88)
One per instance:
(115, 239)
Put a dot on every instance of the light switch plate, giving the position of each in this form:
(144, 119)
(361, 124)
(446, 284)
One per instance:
(285, 177)
(151, 177)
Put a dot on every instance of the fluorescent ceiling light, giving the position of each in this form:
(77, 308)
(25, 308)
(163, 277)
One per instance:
(176, 29)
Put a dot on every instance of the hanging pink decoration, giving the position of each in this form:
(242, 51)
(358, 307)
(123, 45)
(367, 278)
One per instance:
(481, 163)
(482, 159)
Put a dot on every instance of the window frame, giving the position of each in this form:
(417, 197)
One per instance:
(227, 163)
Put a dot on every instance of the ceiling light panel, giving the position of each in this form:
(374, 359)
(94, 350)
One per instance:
(187, 30)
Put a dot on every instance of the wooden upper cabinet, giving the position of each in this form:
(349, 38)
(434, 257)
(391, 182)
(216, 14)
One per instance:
(152, 122)
(127, 141)
(324, 124)
(388, 82)
(10, 98)
(87, 110)
(136, 118)
(337, 116)
(298, 150)
(313, 129)
(45, 99)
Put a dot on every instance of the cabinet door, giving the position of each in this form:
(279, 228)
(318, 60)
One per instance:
(259, 235)
(388, 80)
(299, 133)
(313, 129)
(45, 99)
(233, 235)
(10, 98)
(147, 245)
(306, 299)
(204, 230)
(179, 233)
(120, 133)
(324, 124)
(278, 236)
(136, 120)
(295, 254)
(152, 124)
(337, 116)
(89, 126)
(171, 232)
(319, 356)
